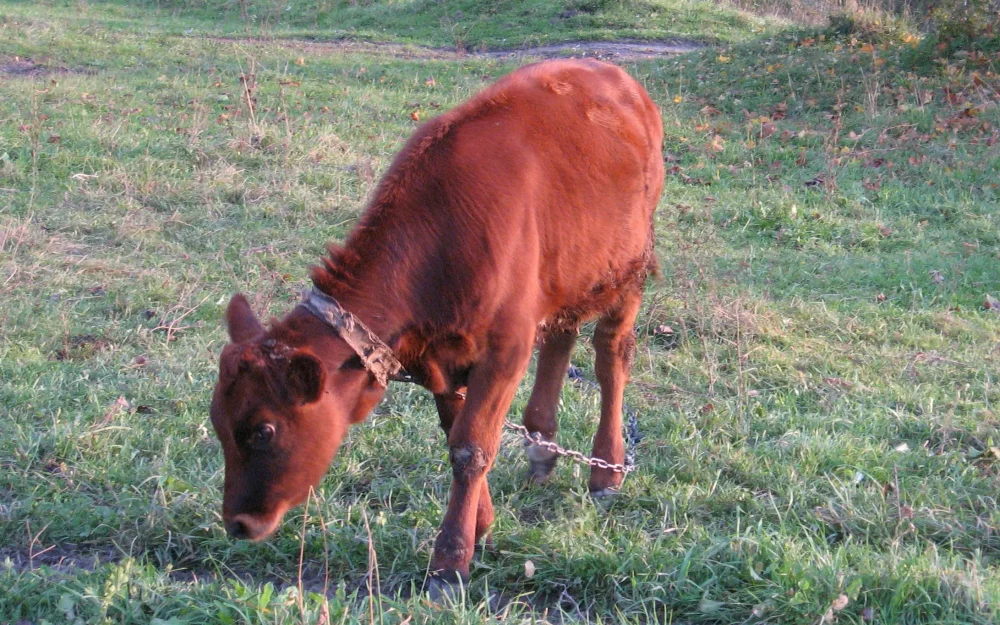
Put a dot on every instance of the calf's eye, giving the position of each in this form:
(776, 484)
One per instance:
(262, 436)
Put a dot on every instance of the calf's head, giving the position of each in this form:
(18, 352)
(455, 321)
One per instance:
(281, 407)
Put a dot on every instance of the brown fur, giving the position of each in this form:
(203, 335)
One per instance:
(519, 214)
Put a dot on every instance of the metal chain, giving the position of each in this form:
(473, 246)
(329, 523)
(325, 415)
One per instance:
(632, 436)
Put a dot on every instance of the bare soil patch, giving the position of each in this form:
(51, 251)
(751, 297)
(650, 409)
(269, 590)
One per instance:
(22, 68)
(70, 559)
(26, 68)
(81, 347)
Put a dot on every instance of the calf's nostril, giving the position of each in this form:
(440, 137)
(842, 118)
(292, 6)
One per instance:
(237, 529)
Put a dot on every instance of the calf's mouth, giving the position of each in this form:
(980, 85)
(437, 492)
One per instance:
(253, 526)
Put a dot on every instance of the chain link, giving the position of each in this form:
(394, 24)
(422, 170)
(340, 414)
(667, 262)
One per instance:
(632, 437)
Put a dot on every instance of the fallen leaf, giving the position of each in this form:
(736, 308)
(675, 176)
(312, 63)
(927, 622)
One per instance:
(839, 603)
(717, 144)
(115, 409)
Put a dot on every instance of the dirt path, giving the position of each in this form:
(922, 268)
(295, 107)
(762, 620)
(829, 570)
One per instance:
(605, 50)
(608, 50)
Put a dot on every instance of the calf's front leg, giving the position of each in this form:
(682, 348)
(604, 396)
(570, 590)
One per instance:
(472, 445)
(449, 405)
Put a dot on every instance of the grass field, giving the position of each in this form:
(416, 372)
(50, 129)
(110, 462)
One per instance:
(817, 367)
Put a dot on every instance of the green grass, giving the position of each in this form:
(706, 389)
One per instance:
(817, 375)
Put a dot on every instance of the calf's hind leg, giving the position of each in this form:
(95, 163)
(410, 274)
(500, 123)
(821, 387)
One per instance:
(540, 413)
(614, 344)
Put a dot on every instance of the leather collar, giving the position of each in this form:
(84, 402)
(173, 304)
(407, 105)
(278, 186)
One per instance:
(375, 355)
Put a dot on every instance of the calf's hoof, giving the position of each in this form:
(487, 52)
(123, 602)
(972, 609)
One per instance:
(442, 591)
(604, 494)
(542, 463)
(604, 483)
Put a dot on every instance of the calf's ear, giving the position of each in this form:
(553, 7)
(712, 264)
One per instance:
(240, 320)
(305, 378)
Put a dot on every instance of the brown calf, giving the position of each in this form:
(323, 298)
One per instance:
(508, 221)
